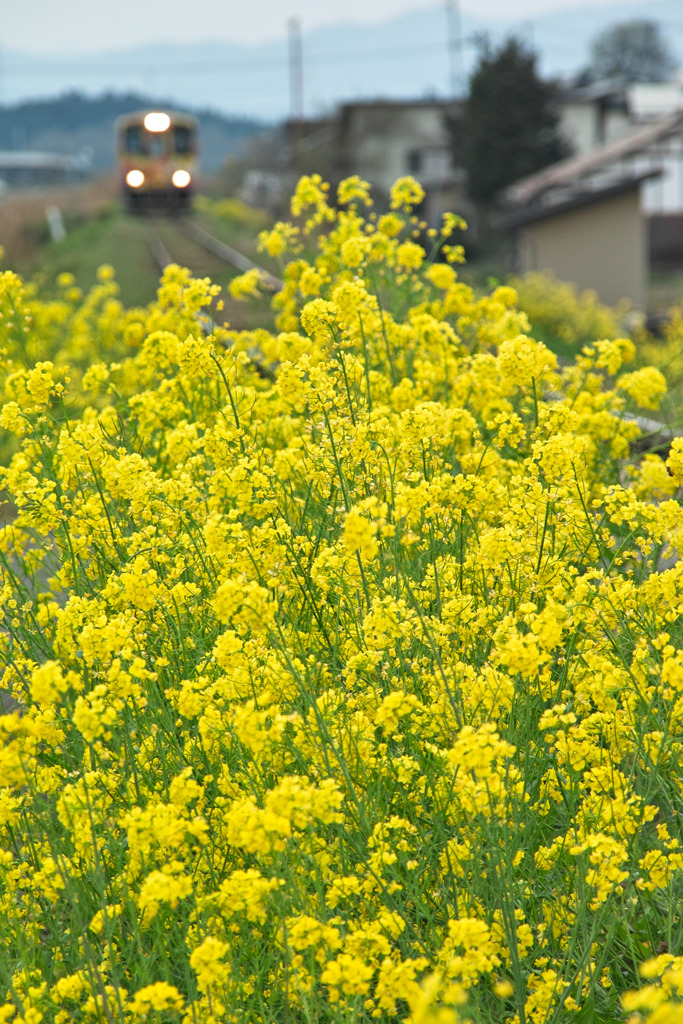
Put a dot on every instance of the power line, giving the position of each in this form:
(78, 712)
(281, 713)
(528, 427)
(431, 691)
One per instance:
(236, 65)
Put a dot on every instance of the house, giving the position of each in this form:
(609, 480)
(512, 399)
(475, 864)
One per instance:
(596, 218)
(595, 238)
(594, 113)
(30, 167)
(383, 140)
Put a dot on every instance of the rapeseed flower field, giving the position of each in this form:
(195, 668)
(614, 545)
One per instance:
(345, 659)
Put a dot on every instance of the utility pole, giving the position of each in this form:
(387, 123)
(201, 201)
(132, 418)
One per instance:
(454, 47)
(296, 87)
(296, 71)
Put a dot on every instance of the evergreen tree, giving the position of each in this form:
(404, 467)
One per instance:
(509, 126)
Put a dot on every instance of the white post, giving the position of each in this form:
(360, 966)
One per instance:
(55, 223)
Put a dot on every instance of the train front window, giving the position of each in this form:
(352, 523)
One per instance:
(182, 139)
(133, 139)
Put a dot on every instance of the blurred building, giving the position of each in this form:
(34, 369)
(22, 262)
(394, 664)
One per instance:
(600, 113)
(21, 169)
(604, 217)
(594, 237)
(594, 113)
(385, 140)
(382, 140)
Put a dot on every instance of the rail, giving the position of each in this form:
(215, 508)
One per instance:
(213, 245)
(159, 251)
(229, 255)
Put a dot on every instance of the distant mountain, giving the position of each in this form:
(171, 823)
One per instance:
(406, 56)
(73, 123)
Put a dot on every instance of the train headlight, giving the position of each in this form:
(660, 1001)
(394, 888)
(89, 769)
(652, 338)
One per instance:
(155, 121)
(135, 179)
(181, 178)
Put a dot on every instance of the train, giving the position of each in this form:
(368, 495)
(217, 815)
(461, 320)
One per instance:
(158, 159)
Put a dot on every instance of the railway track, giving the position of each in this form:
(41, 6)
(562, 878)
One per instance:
(178, 240)
(655, 436)
(182, 241)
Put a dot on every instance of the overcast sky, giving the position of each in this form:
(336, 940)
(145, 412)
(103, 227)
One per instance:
(78, 26)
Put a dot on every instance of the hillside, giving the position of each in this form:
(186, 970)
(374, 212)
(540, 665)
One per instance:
(75, 123)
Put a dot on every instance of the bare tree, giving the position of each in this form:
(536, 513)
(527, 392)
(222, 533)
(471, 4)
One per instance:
(634, 50)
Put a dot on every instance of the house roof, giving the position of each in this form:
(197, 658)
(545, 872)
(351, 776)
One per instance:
(602, 89)
(384, 102)
(37, 160)
(575, 198)
(569, 172)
